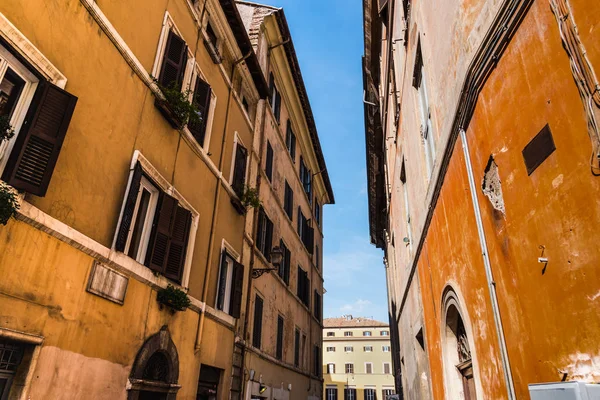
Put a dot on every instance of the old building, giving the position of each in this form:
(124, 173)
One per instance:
(123, 203)
(483, 161)
(283, 352)
(357, 358)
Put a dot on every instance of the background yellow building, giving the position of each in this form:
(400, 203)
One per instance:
(357, 359)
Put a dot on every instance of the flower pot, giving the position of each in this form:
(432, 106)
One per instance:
(166, 111)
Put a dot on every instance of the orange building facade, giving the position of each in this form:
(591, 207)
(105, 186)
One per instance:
(482, 145)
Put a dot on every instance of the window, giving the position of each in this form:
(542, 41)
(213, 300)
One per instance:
(331, 349)
(316, 360)
(11, 355)
(264, 234)
(275, 98)
(318, 213)
(348, 333)
(305, 231)
(385, 349)
(306, 178)
(297, 347)
(246, 105)
(419, 82)
(284, 267)
(349, 393)
(240, 161)
(269, 162)
(317, 257)
(368, 349)
(303, 289)
(387, 393)
(288, 201)
(406, 205)
(212, 36)
(230, 289)
(40, 113)
(331, 368)
(257, 329)
(331, 393)
(348, 349)
(154, 228)
(317, 306)
(386, 368)
(368, 368)
(208, 383)
(330, 333)
(279, 350)
(349, 368)
(201, 99)
(366, 333)
(370, 393)
(385, 333)
(211, 42)
(290, 141)
(174, 62)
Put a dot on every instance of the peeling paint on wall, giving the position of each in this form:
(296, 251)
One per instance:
(492, 186)
(583, 367)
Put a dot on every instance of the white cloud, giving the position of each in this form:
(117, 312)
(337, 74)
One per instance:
(353, 260)
(357, 307)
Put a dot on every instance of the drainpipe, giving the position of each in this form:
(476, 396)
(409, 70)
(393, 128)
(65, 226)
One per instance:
(213, 225)
(510, 388)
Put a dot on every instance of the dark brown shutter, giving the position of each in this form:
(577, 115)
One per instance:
(257, 326)
(161, 234)
(129, 208)
(237, 290)
(271, 87)
(202, 96)
(279, 349)
(269, 162)
(239, 169)
(178, 245)
(259, 231)
(277, 110)
(300, 278)
(310, 239)
(38, 144)
(174, 60)
(268, 238)
(306, 290)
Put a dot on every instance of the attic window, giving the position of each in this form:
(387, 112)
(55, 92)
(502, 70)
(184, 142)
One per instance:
(540, 148)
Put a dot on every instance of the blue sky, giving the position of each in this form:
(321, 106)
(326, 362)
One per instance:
(327, 35)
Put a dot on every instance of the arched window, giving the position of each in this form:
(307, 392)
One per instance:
(155, 371)
(458, 362)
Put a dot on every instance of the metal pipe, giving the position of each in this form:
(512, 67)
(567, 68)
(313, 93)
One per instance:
(510, 388)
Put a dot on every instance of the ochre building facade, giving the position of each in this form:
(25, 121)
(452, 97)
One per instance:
(482, 152)
(129, 200)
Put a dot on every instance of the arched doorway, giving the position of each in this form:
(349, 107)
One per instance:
(458, 361)
(155, 371)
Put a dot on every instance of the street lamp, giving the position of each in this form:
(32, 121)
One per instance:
(276, 256)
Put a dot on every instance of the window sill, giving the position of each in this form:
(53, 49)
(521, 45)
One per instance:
(166, 111)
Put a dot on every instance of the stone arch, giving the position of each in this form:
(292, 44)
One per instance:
(460, 375)
(155, 372)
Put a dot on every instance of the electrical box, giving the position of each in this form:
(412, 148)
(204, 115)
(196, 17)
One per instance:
(564, 391)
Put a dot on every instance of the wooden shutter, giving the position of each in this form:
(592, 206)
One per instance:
(257, 328)
(269, 162)
(260, 241)
(237, 290)
(310, 239)
(158, 248)
(202, 97)
(268, 238)
(297, 348)
(180, 233)
(300, 288)
(38, 144)
(239, 169)
(277, 110)
(222, 281)
(279, 349)
(271, 87)
(174, 62)
(307, 290)
(128, 210)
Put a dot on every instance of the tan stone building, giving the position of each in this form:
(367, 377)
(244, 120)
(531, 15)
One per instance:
(283, 356)
(121, 199)
(357, 359)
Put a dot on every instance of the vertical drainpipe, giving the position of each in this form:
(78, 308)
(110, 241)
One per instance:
(510, 388)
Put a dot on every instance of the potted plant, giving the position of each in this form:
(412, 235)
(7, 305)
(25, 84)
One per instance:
(6, 129)
(175, 299)
(247, 198)
(9, 202)
(176, 107)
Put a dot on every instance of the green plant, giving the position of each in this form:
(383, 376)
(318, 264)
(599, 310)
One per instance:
(9, 203)
(177, 101)
(174, 298)
(250, 198)
(6, 129)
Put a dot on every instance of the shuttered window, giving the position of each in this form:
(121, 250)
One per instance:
(154, 228)
(269, 162)
(303, 286)
(290, 141)
(279, 349)
(306, 179)
(284, 267)
(317, 361)
(257, 327)
(275, 98)
(202, 99)
(37, 146)
(174, 62)
(317, 306)
(317, 257)
(230, 289)
(318, 213)
(288, 201)
(297, 348)
(264, 234)
(306, 232)
(368, 368)
(239, 169)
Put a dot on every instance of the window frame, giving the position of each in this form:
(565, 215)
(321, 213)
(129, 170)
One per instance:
(386, 349)
(368, 349)
(389, 367)
(145, 184)
(330, 349)
(331, 371)
(370, 364)
(348, 349)
(238, 141)
(349, 368)
(348, 333)
(234, 256)
(367, 333)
